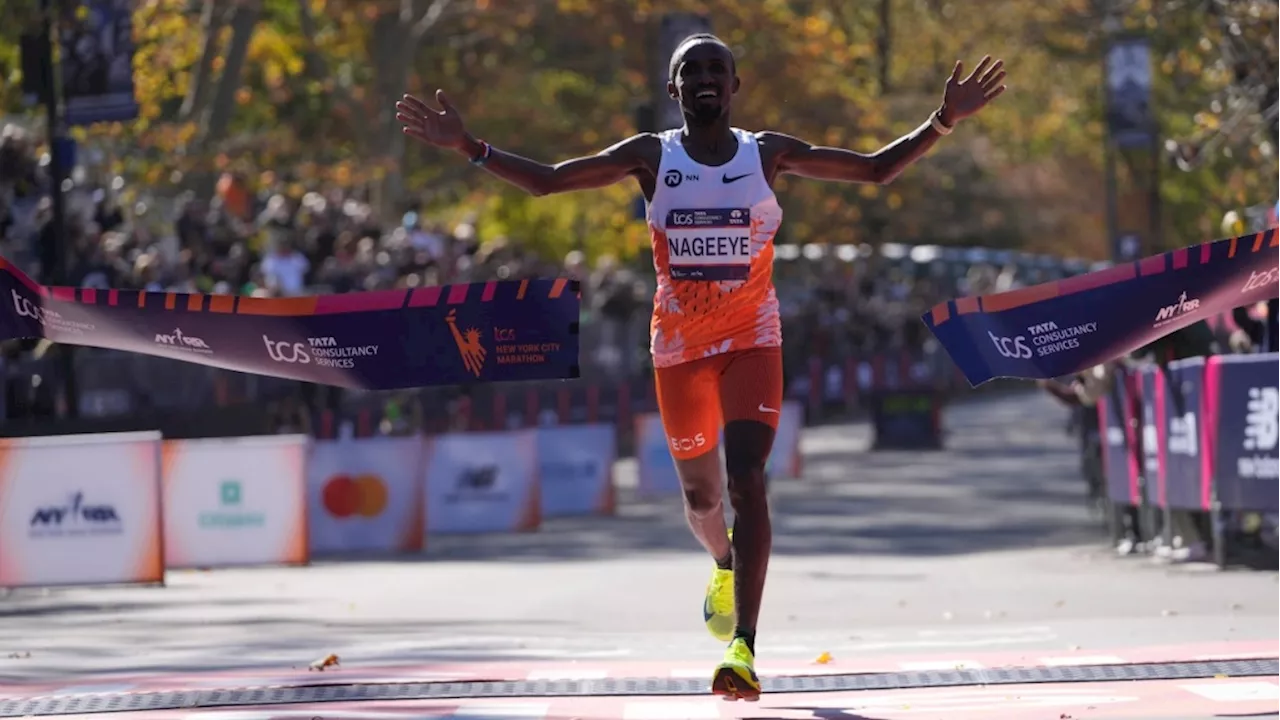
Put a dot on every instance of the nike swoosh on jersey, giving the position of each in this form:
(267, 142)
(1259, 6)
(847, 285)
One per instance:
(762, 408)
(726, 179)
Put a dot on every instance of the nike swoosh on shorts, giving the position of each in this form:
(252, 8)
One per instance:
(764, 409)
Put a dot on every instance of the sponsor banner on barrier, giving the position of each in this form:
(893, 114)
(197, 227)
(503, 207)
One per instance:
(1180, 427)
(80, 510)
(481, 332)
(1150, 390)
(575, 469)
(235, 501)
(1065, 326)
(482, 482)
(1120, 462)
(1244, 410)
(657, 469)
(366, 495)
(784, 460)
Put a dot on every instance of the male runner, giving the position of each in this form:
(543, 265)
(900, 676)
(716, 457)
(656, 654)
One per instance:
(715, 335)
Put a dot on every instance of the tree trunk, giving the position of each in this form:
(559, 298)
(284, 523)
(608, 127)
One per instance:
(883, 45)
(212, 19)
(243, 22)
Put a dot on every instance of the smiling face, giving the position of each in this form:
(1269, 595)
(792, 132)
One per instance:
(703, 80)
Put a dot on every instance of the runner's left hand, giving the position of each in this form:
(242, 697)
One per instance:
(966, 97)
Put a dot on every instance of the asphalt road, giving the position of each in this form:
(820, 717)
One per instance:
(985, 547)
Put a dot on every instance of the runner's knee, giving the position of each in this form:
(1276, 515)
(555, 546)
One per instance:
(702, 503)
(701, 481)
(746, 450)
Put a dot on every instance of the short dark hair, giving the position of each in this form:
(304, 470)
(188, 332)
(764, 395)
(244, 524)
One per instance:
(684, 45)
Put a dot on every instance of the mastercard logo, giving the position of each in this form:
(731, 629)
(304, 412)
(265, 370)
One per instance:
(348, 495)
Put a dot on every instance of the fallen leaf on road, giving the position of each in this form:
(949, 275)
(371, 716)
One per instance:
(824, 658)
(324, 662)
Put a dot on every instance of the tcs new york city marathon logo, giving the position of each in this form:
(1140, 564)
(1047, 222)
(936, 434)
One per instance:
(469, 346)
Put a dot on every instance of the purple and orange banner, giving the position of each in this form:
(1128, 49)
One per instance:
(450, 335)
(1065, 326)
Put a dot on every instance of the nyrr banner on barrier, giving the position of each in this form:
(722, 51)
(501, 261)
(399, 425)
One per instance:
(1063, 327)
(80, 510)
(575, 469)
(482, 482)
(235, 501)
(481, 332)
(366, 496)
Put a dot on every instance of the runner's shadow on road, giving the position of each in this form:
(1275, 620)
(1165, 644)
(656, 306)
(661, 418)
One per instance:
(826, 713)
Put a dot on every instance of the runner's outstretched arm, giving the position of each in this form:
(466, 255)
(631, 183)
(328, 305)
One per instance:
(961, 99)
(445, 129)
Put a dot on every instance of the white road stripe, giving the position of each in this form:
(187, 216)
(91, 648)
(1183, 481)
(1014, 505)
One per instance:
(568, 674)
(1081, 660)
(498, 711)
(1228, 691)
(941, 665)
(701, 710)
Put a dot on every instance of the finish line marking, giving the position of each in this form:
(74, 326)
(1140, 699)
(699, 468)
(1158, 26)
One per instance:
(92, 703)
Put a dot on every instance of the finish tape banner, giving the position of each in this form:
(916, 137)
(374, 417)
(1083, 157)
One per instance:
(450, 335)
(1065, 326)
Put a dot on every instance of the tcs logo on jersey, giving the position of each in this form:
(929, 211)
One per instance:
(688, 443)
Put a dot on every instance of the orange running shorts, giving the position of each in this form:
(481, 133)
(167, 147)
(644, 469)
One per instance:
(697, 398)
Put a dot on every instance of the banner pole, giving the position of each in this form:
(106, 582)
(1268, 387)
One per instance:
(61, 248)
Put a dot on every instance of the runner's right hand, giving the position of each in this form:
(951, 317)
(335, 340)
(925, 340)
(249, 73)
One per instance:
(443, 129)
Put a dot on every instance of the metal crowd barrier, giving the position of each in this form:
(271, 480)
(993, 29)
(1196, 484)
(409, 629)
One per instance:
(1197, 435)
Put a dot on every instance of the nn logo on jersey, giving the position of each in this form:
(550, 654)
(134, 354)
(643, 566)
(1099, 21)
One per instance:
(673, 178)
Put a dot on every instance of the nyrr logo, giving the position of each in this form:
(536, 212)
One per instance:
(468, 342)
(1184, 305)
(287, 352)
(75, 518)
(1012, 348)
(183, 342)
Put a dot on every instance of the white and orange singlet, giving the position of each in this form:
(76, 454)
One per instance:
(716, 333)
(712, 230)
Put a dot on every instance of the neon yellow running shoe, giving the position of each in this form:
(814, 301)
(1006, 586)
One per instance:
(735, 678)
(718, 610)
